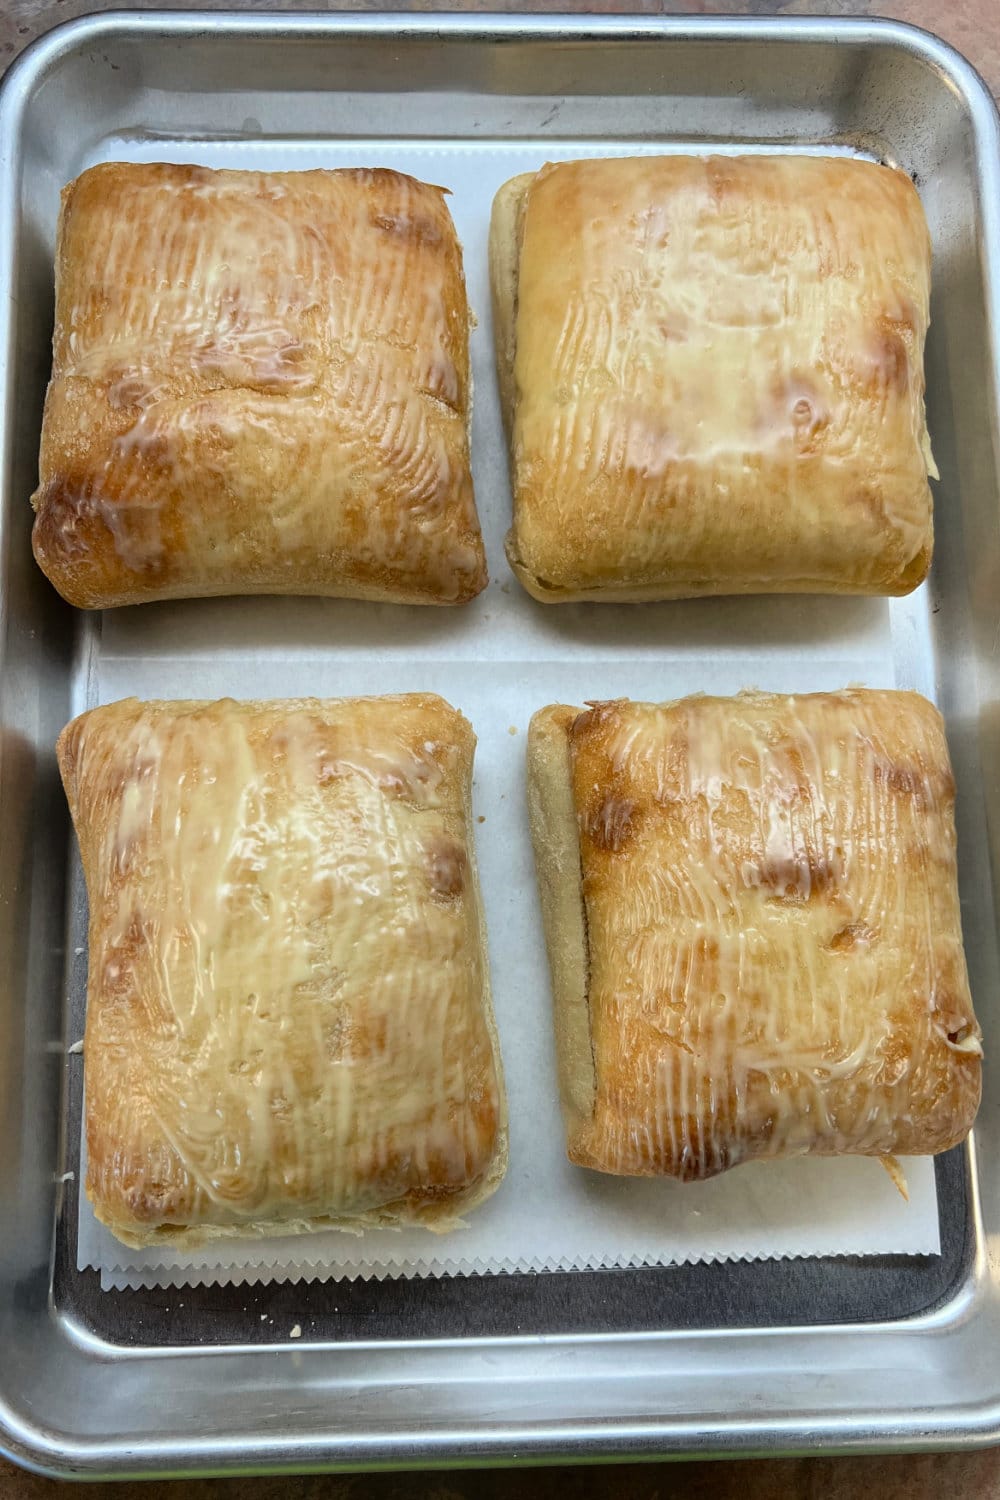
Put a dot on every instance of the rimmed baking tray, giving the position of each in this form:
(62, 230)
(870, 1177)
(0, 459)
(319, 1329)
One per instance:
(886, 1351)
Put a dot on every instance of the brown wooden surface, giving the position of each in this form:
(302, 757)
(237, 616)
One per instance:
(932, 1476)
(973, 26)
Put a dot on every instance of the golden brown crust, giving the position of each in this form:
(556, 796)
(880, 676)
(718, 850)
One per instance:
(260, 384)
(766, 889)
(717, 379)
(289, 1021)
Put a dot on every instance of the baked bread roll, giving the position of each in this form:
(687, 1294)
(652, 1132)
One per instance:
(752, 917)
(260, 385)
(289, 1022)
(712, 376)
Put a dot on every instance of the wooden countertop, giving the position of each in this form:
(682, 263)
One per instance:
(931, 1476)
(973, 26)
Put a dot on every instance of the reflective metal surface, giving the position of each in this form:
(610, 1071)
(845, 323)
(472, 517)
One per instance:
(697, 1359)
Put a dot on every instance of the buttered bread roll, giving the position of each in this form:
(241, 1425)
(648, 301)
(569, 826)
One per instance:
(752, 917)
(260, 385)
(712, 376)
(289, 1022)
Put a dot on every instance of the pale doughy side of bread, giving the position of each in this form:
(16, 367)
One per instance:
(506, 231)
(650, 593)
(556, 843)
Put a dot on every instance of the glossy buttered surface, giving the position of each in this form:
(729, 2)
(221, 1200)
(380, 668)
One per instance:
(260, 385)
(773, 956)
(715, 374)
(288, 1015)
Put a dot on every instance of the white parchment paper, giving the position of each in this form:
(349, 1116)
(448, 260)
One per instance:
(498, 660)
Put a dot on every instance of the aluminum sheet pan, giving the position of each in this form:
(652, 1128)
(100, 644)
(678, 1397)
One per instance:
(891, 1351)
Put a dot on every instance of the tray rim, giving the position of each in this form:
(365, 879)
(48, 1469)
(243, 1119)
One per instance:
(977, 1425)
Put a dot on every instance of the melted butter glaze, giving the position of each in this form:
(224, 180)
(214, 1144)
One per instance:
(719, 377)
(287, 1006)
(260, 384)
(775, 949)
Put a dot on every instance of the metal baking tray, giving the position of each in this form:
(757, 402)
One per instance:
(891, 1352)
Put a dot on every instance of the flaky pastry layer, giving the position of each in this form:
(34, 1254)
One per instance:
(289, 1021)
(752, 915)
(712, 373)
(260, 384)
